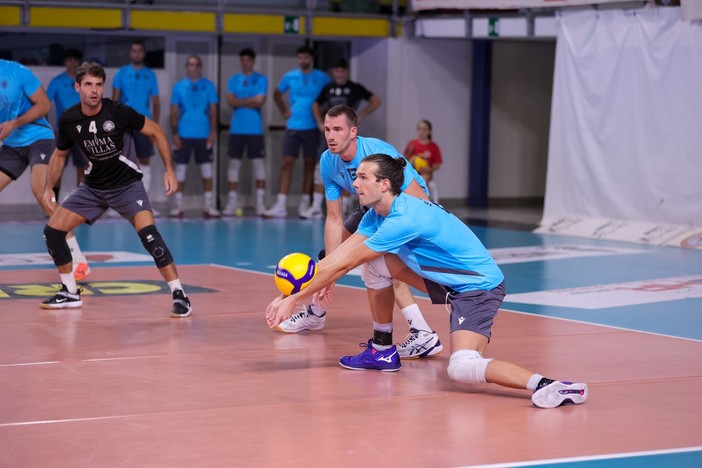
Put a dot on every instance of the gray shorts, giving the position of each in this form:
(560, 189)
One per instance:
(15, 160)
(471, 310)
(203, 154)
(254, 144)
(91, 203)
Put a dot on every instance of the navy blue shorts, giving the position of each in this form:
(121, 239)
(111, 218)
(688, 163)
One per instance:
(91, 203)
(307, 140)
(254, 145)
(203, 154)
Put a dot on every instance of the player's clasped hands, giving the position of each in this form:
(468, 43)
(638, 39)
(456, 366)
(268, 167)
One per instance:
(278, 310)
(49, 201)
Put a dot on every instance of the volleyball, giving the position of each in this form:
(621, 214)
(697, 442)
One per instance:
(419, 163)
(294, 273)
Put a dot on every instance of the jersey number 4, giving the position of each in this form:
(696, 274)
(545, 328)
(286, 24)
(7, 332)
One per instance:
(92, 128)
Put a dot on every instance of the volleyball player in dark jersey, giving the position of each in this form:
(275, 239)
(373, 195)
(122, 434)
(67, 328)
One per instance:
(98, 125)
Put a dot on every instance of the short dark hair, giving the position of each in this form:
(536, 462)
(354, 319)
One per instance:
(138, 42)
(389, 168)
(303, 49)
(341, 109)
(247, 52)
(74, 54)
(90, 68)
(340, 63)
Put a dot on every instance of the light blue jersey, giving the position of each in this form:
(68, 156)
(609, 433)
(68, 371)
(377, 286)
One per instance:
(304, 89)
(62, 91)
(17, 83)
(136, 87)
(246, 120)
(433, 243)
(194, 99)
(338, 175)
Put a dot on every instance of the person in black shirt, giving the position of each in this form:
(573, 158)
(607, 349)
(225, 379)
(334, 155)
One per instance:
(112, 180)
(340, 92)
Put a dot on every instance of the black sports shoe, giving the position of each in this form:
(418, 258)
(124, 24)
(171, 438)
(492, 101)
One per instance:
(181, 305)
(63, 299)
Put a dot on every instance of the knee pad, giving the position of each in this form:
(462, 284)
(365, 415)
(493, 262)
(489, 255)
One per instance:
(376, 274)
(206, 170)
(233, 171)
(57, 246)
(259, 168)
(180, 171)
(322, 253)
(468, 366)
(154, 244)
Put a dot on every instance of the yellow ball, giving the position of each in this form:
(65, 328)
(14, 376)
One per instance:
(294, 273)
(419, 163)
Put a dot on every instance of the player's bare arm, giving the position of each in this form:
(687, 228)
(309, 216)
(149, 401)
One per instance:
(174, 117)
(53, 174)
(156, 104)
(373, 104)
(213, 125)
(278, 98)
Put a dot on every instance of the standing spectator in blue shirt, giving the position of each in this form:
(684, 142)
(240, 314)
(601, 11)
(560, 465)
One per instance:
(136, 86)
(62, 91)
(27, 140)
(246, 93)
(194, 125)
(304, 83)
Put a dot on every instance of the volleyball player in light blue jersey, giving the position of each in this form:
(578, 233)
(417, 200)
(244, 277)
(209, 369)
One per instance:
(28, 140)
(417, 241)
(246, 94)
(304, 83)
(338, 170)
(62, 91)
(136, 85)
(194, 127)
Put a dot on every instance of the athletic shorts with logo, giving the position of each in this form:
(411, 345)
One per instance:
(91, 203)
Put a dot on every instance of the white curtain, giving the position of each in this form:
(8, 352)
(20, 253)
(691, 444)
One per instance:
(626, 123)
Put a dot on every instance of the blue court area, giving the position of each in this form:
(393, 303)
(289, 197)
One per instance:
(631, 286)
(638, 287)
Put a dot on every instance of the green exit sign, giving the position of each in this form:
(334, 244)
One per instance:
(494, 27)
(291, 25)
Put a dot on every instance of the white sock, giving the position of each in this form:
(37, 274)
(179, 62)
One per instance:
(75, 248)
(178, 198)
(317, 199)
(175, 284)
(534, 381)
(414, 317)
(208, 199)
(233, 196)
(69, 281)
(282, 200)
(260, 195)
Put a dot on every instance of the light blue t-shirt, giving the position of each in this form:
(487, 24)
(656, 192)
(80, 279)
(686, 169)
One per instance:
(136, 87)
(433, 243)
(338, 175)
(304, 89)
(194, 99)
(63, 92)
(17, 83)
(246, 120)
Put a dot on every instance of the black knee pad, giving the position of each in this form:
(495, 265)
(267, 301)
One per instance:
(322, 253)
(154, 244)
(57, 246)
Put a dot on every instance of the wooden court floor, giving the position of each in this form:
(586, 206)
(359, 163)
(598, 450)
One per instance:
(119, 383)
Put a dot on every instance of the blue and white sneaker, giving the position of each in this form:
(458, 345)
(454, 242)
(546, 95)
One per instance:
(557, 393)
(419, 344)
(372, 359)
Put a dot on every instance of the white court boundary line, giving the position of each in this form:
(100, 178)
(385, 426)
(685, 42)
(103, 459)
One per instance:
(613, 456)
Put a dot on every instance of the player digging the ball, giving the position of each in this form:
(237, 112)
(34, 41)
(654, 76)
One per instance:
(418, 242)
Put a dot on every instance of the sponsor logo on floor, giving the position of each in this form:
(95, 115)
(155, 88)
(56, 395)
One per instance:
(95, 288)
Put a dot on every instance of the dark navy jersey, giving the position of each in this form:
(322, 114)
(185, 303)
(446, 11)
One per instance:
(101, 137)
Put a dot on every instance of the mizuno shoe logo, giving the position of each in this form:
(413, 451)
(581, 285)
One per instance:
(387, 359)
(461, 320)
